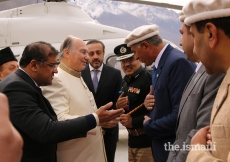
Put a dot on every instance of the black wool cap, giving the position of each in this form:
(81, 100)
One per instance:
(6, 55)
(123, 52)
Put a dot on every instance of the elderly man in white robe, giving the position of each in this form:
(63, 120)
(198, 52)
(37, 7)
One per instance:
(70, 98)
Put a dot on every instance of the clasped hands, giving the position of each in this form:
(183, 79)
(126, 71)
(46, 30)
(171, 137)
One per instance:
(122, 102)
(125, 119)
(203, 137)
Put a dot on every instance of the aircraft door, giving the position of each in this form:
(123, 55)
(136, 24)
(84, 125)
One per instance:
(5, 27)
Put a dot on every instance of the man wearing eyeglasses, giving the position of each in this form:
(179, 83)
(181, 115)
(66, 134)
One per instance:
(31, 113)
(134, 88)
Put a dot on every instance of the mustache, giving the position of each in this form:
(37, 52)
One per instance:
(96, 60)
(128, 67)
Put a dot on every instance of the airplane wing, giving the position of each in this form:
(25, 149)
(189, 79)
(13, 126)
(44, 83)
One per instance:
(150, 2)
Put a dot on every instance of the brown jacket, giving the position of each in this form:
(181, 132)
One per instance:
(220, 128)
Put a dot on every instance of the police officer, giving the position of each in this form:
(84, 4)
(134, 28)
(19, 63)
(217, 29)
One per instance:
(134, 88)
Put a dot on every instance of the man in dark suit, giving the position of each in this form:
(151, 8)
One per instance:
(197, 100)
(170, 76)
(32, 114)
(108, 84)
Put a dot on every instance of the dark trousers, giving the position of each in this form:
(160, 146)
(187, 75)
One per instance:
(110, 141)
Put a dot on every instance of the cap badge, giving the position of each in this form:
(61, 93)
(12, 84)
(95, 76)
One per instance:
(123, 50)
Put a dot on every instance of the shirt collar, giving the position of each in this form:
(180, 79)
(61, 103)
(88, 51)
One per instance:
(69, 70)
(198, 66)
(159, 56)
(29, 76)
(100, 68)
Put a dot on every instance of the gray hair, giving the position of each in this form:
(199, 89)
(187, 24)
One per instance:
(66, 44)
(154, 40)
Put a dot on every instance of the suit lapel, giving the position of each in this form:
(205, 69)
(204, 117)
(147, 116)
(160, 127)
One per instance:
(88, 79)
(192, 83)
(221, 96)
(161, 64)
(188, 83)
(104, 74)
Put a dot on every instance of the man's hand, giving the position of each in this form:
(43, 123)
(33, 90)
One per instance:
(11, 142)
(122, 102)
(209, 140)
(146, 119)
(201, 136)
(126, 120)
(149, 100)
(112, 123)
(106, 115)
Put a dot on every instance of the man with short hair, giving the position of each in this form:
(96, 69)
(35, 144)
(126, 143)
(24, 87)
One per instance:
(134, 88)
(197, 99)
(169, 78)
(209, 23)
(71, 98)
(31, 113)
(8, 63)
(105, 89)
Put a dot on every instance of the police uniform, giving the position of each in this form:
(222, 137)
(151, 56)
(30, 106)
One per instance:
(136, 88)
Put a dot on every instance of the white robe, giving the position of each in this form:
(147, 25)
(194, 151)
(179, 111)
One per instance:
(71, 98)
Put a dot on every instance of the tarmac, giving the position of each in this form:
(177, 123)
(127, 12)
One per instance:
(122, 145)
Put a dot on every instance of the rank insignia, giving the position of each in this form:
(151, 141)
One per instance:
(134, 90)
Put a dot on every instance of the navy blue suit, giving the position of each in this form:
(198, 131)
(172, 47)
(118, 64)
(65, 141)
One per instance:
(173, 73)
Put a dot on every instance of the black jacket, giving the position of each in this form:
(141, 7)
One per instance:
(136, 88)
(34, 118)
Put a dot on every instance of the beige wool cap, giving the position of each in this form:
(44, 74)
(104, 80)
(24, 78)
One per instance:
(182, 16)
(141, 33)
(198, 10)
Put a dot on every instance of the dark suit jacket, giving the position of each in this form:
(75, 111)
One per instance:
(34, 118)
(195, 110)
(173, 73)
(108, 87)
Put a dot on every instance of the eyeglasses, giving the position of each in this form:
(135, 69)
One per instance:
(53, 66)
(127, 60)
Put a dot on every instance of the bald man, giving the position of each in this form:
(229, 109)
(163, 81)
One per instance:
(71, 98)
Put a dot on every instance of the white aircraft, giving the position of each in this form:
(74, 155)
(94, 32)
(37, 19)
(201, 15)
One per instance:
(52, 22)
